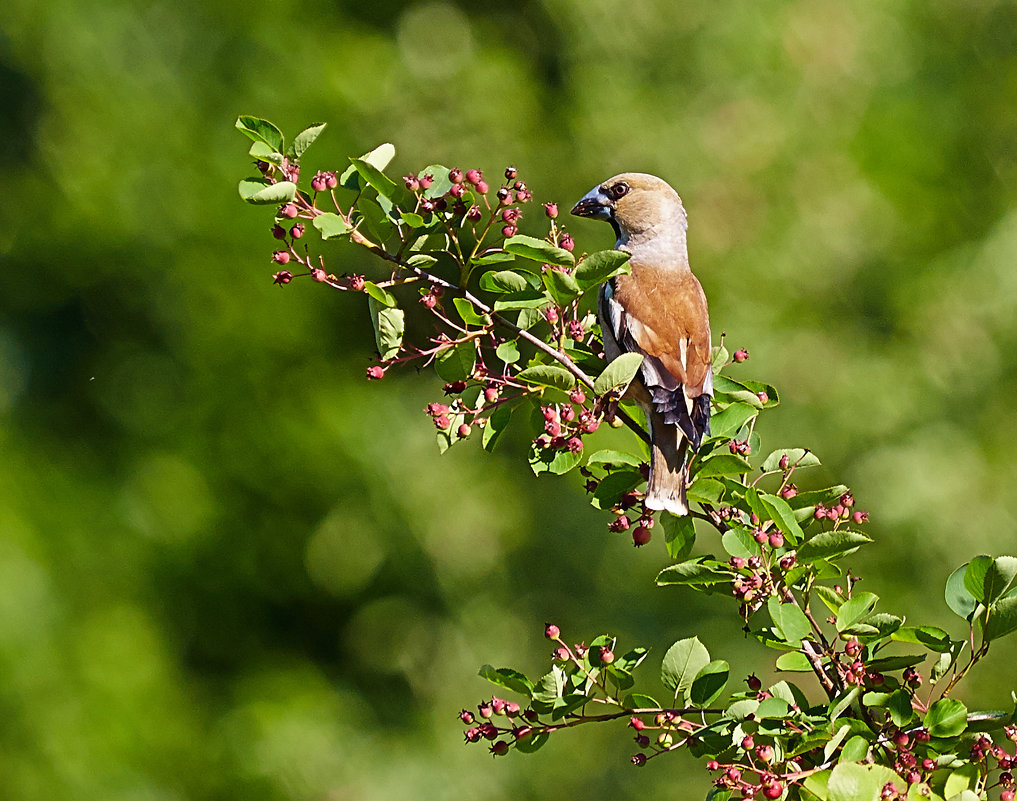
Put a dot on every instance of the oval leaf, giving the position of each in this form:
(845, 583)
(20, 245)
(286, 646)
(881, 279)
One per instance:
(548, 375)
(682, 663)
(331, 225)
(538, 250)
(598, 267)
(618, 374)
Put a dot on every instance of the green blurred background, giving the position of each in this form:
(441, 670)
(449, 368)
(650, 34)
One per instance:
(231, 568)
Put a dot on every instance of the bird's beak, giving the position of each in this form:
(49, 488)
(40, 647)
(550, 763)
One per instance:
(594, 204)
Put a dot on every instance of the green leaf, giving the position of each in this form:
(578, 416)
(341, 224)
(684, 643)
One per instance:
(773, 709)
(679, 534)
(796, 457)
(781, 514)
(816, 786)
(614, 485)
(726, 423)
(974, 576)
(854, 610)
(640, 701)
(305, 139)
(378, 158)
(999, 578)
(509, 679)
(538, 250)
(614, 458)
(413, 220)
(263, 193)
(531, 743)
(600, 266)
(496, 425)
(551, 461)
(260, 150)
(958, 597)
(331, 225)
(889, 663)
(469, 313)
(830, 545)
(692, 573)
(709, 682)
(548, 375)
(839, 706)
(789, 620)
(456, 363)
(740, 542)
(504, 281)
(855, 749)
(964, 778)
(948, 717)
(850, 781)
(1002, 618)
(706, 490)
(383, 296)
(682, 664)
(931, 637)
(722, 464)
(619, 373)
(260, 130)
(740, 710)
(900, 709)
(380, 182)
(562, 287)
(527, 299)
(389, 327)
(441, 184)
(508, 351)
(794, 662)
(719, 358)
(829, 596)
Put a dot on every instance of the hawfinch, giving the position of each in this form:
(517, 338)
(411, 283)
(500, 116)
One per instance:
(658, 310)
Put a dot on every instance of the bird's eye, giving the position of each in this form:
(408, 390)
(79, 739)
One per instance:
(619, 190)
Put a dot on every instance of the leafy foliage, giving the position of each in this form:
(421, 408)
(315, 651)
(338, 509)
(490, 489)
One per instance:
(516, 342)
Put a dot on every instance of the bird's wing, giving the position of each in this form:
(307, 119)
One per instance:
(665, 318)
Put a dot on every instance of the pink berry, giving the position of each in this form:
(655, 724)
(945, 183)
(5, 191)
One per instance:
(464, 430)
(763, 397)
(375, 372)
(773, 790)
(282, 277)
(482, 187)
(281, 257)
(297, 231)
(289, 210)
(741, 355)
(331, 181)
(426, 181)
(776, 540)
(474, 176)
(442, 423)
(551, 631)
(509, 231)
(566, 242)
(412, 183)
(511, 173)
(455, 175)
(551, 210)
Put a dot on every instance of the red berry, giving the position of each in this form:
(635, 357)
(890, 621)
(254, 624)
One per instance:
(466, 717)
(641, 536)
(491, 394)
(457, 190)
(577, 396)
(773, 790)
(860, 517)
(776, 540)
(375, 372)
(566, 242)
(474, 214)
(509, 231)
(763, 397)
(278, 231)
(741, 355)
(606, 655)
(748, 743)
(282, 277)
(357, 283)
(455, 175)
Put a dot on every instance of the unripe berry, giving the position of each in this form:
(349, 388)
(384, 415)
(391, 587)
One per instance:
(776, 540)
(508, 231)
(331, 181)
(457, 190)
(426, 181)
(928, 764)
(637, 723)
(504, 197)
(474, 214)
(1006, 795)
(784, 462)
(319, 275)
(282, 277)
(491, 394)
(289, 210)
(466, 717)
(737, 562)
(787, 561)
(566, 242)
(486, 711)
(763, 397)
(429, 301)
(281, 257)
(375, 372)
(551, 210)
(411, 182)
(853, 648)
(741, 355)
(472, 735)
(641, 536)
(860, 517)
(500, 748)
(473, 176)
(464, 430)
(575, 445)
(606, 655)
(318, 182)
(297, 231)
(765, 752)
(577, 396)
(442, 423)
(511, 173)
(482, 187)
(561, 654)
(789, 492)
(639, 760)
(901, 739)
(665, 739)
(551, 315)
(551, 631)
(748, 743)
(357, 283)
(455, 175)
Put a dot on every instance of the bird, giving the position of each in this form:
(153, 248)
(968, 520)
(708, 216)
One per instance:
(658, 310)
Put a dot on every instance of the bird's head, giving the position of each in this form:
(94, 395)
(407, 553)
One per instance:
(636, 204)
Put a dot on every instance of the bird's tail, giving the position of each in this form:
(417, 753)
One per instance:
(668, 471)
